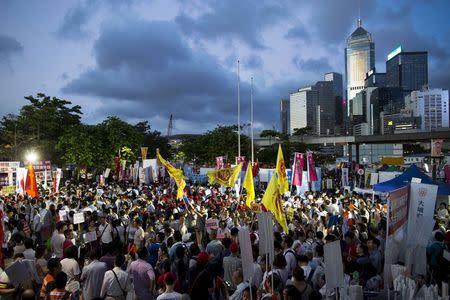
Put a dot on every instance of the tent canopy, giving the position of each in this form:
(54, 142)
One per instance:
(405, 178)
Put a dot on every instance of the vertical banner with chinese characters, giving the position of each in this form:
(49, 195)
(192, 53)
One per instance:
(144, 151)
(397, 203)
(420, 225)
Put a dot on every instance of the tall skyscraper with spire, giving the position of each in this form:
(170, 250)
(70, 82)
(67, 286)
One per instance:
(359, 59)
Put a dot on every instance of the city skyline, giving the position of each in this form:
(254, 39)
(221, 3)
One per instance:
(141, 60)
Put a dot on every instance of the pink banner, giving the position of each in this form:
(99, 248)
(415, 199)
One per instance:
(298, 169)
(311, 167)
(241, 159)
(220, 162)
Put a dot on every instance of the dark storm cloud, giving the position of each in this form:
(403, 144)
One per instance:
(312, 64)
(244, 20)
(298, 32)
(74, 23)
(9, 46)
(254, 62)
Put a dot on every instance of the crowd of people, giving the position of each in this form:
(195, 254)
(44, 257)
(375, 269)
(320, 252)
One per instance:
(142, 243)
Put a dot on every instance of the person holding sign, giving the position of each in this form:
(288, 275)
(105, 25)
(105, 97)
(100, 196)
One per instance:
(58, 239)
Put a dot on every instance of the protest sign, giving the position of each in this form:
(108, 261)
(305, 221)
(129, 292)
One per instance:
(334, 270)
(63, 215)
(246, 253)
(78, 218)
(90, 236)
(211, 224)
(265, 225)
(397, 212)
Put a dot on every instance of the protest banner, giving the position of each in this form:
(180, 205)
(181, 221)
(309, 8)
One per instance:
(373, 178)
(397, 217)
(63, 215)
(266, 240)
(246, 253)
(90, 236)
(420, 225)
(334, 270)
(344, 177)
(78, 218)
(21, 175)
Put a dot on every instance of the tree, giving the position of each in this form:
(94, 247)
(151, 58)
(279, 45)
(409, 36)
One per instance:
(84, 145)
(153, 140)
(39, 125)
(302, 131)
(221, 141)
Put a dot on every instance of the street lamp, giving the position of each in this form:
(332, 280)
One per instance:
(31, 157)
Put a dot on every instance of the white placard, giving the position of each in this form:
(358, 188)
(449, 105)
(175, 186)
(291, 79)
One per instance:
(106, 173)
(416, 180)
(265, 225)
(447, 255)
(78, 218)
(211, 224)
(63, 215)
(373, 178)
(334, 270)
(246, 253)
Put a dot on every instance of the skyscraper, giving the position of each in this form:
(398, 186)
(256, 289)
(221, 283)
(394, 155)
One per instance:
(302, 109)
(407, 70)
(359, 59)
(284, 115)
(432, 105)
(336, 79)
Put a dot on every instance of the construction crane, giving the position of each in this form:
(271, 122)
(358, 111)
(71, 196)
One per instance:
(170, 127)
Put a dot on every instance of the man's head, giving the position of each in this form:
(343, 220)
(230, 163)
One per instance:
(169, 279)
(287, 242)
(373, 244)
(61, 280)
(119, 261)
(53, 265)
(142, 253)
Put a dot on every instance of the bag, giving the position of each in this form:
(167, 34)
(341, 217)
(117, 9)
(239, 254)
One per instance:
(124, 292)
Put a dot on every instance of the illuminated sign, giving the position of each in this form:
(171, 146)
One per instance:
(394, 52)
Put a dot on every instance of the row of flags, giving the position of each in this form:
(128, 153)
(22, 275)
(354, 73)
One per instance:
(277, 187)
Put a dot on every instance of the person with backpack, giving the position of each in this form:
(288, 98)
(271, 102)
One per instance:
(116, 283)
(436, 260)
(289, 254)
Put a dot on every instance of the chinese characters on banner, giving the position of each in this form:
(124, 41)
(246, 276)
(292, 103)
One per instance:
(436, 147)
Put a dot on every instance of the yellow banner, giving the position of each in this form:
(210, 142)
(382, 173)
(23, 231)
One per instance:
(281, 173)
(272, 200)
(144, 152)
(175, 173)
(226, 177)
(248, 186)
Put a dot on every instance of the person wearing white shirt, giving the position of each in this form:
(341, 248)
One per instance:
(29, 253)
(104, 231)
(139, 235)
(58, 239)
(92, 276)
(289, 255)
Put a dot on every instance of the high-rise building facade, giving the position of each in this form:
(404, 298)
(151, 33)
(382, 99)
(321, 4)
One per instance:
(336, 79)
(432, 105)
(316, 106)
(359, 59)
(301, 109)
(284, 115)
(407, 70)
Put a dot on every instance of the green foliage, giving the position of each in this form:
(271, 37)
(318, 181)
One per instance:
(221, 141)
(153, 140)
(38, 126)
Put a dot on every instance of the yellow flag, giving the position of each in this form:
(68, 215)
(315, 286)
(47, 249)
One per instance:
(248, 185)
(283, 184)
(175, 173)
(272, 202)
(226, 177)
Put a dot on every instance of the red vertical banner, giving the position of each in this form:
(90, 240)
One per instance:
(241, 160)
(255, 169)
(31, 185)
(311, 167)
(298, 169)
(220, 162)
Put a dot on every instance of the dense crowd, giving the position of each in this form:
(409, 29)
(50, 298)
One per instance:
(141, 243)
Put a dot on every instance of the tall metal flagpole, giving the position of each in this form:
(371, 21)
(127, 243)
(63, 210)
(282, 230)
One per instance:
(239, 112)
(251, 117)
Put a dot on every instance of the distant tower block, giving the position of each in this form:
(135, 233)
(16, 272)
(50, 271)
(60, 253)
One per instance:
(170, 126)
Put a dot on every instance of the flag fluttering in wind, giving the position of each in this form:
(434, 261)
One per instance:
(175, 173)
(30, 182)
(226, 177)
(272, 200)
(282, 179)
(248, 185)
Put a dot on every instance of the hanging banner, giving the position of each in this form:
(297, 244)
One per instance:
(220, 162)
(420, 226)
(57, 180)
(397, 217)
(298, 169)
(305, 184)
(311, 167)
(144, 152)
(316, 186)
(421, 211)
(344, 177)
(241, 160)
(436, 147)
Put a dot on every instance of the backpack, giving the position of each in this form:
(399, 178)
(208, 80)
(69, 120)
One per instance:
(295, 255)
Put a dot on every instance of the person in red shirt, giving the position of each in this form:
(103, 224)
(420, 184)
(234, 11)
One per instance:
(68, 241)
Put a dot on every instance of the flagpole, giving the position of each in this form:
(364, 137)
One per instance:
(251, 117)
(239, 111)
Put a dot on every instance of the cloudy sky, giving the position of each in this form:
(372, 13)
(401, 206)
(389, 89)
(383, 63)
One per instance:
(147, 59)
